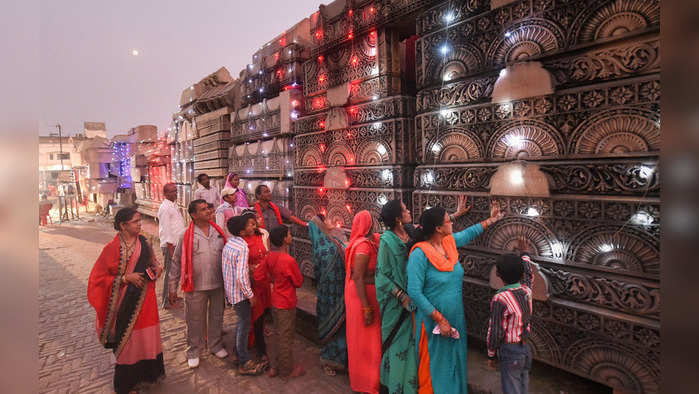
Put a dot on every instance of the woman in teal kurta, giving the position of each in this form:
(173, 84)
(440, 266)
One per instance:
(398, 361)
(435, 280)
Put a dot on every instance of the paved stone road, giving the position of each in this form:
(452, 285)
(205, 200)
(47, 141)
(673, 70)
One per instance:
(72, 360)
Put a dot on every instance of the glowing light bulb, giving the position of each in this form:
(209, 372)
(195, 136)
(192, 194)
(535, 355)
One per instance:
(382, 199)
(436, 148)
(376, 125)
(386, 175)
(508, 34)
(429, 178)
(444, 49)
(557, 249)
(645, 172)
(448, 17)
(605, 248)
(532, 212)
(516, 176)
(444, 113)
(134, 52)
(642, 218)
(381, 149)
(514, 141)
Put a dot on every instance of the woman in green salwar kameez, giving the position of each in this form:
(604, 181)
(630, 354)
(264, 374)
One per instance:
(399, 359)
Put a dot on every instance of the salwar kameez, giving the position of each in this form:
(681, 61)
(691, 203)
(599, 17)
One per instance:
(441, 360)
(399, 359)
(127, 317)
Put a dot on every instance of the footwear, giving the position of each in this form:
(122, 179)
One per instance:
(193, 362)
(273, 372)
(249, 368)
(221, 353)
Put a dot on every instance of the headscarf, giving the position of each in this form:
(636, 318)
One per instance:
(361, 226)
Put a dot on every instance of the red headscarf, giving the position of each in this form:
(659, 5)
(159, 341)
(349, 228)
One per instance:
(361, 225)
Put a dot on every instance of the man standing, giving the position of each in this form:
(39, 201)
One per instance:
(207, 192)
(197, 259)
(225, 211)
(271, 215)
(170, 226)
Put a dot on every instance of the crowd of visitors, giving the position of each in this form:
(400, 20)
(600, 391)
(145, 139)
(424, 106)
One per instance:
(389, 305)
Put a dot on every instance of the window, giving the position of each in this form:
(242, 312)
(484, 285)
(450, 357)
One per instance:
(59, 156)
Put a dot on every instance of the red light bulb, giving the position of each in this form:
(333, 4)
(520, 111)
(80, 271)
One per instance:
(354, 60)
(350, 35)
(371, 10)
(320, 59)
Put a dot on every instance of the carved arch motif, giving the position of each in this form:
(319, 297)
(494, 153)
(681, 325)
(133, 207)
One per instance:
(543, 343)
(614, 365)
(525, 40)
(505, 234)
(373, 153)
(338, 155)
(457, 145)
(311, 157)
(617, 132)
(608, 247)
(462, 60)
(535, 138)
(614, 18)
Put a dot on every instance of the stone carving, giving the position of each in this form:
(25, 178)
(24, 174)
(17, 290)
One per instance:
(505, 234)
(607, 64)
(607, 19)
(608, 247)
(524, 40)
(613, 364)
(536, 139)
(616, 132)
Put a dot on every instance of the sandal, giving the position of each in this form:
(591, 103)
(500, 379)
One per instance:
(329, 371)
(249, 368)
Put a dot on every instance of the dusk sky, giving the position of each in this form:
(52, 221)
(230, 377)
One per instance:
(88, 72)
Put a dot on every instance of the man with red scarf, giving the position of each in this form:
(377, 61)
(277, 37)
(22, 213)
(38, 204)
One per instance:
(271, 214)
(197, 260)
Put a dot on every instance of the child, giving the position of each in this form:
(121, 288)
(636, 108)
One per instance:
(509, 325)
(286, 278)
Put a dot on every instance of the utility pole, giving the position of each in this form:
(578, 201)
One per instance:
(60, 144)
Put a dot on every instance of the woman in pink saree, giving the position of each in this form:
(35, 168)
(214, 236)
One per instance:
(241, 199)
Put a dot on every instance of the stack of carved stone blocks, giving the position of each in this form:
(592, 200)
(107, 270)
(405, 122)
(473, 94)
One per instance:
(262, 126)
(574, 87)
(354, 144)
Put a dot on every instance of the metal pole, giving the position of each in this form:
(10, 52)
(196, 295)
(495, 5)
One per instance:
(60, 144)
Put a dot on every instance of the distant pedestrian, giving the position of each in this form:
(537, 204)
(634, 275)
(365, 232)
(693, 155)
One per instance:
(238, 289)
(206, 191)
(509, 324)
(225, 210)
(286, 278)
(197, 260)
(121, 288)
(241, 198)
(170, 226)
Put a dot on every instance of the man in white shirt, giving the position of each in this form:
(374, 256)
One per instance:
(170, 226)
(207, 192)
(225, 211)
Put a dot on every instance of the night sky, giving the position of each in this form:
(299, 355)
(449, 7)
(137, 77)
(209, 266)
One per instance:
(88, 72)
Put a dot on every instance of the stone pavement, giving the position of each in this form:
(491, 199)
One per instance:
(72, 360)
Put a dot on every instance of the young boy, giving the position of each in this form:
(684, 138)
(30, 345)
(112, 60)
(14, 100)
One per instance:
(286, 278)
(508, 329)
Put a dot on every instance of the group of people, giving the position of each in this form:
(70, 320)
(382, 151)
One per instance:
(389, 306)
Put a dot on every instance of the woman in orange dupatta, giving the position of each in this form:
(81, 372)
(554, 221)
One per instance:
(124, 299)
(363, 324)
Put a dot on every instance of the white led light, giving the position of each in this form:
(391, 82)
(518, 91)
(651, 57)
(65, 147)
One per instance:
(444, 49)
(448, 17)
(260, 72)
(513, 141)
(645, 172)
(557, 249)
(532, 212)
(508, 34)
(604, 248)
(294, 115)
(374, 97)
(444, 113)
(249, 80)
(262, 90)
(381, 149)
(429, 177)
(642, 218)
(386, 175)
(503, 72)
(382, 199)
(436, 148)
(377, 125)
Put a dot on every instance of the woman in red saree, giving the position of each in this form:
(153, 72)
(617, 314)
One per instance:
(123, 295)
(257, 251)
(362, 308)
